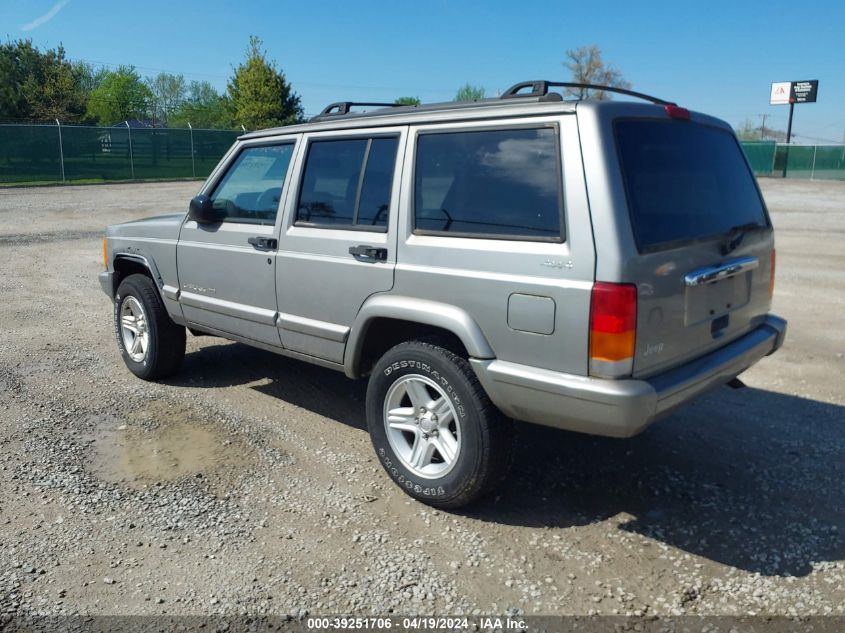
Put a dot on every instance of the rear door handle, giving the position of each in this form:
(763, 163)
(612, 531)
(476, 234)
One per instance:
(266, 243)
(366, 253)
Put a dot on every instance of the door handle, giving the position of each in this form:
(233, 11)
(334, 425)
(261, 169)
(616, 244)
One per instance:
(267, 243)
(363, 252)
(705, 275)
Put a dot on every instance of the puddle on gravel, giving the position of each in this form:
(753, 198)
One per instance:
(162, 446)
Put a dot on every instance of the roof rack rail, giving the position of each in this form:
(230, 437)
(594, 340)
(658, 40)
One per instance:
(540, 88)
(343, 107)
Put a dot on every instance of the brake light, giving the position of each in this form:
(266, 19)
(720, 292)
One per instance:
(613, 326)
(772, 277)
(677, 112)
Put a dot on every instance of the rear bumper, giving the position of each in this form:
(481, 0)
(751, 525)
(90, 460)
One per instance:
(619, 408)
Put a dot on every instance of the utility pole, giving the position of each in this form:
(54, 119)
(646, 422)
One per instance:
(763, 125)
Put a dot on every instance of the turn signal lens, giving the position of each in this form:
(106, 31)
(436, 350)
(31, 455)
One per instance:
(105, 255)
(613, 327)
(772, 277)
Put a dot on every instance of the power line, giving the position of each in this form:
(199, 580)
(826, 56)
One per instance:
(161, 70)
(310, 84)
(814, 138)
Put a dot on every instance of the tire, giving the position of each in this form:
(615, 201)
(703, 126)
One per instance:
(447, 454)
(138, 311)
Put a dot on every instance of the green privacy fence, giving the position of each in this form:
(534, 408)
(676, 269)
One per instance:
(761, 155)
(822, 162)
(56, 153)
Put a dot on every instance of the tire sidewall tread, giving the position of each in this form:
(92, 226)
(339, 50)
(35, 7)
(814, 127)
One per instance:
(485, 432)
(166, 347)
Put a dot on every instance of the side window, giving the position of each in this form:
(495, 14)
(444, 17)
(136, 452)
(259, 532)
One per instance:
(493, 183)
(250, 190)
(348, 183)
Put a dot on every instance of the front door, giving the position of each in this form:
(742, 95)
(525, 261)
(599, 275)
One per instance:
(338, 243)
(227, 269)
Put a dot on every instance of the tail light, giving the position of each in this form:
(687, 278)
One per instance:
(677, 112)
(772, 277)
(613, 327)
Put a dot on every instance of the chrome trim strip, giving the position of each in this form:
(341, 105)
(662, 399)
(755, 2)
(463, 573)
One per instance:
(229, 308)
(708, 274)
(312, 327)
(170, 292)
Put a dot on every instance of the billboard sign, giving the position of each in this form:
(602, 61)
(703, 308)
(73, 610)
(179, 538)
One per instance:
(805, 91)
(781, 91)
(786, 92)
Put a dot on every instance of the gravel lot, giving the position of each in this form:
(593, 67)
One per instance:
(248, 485)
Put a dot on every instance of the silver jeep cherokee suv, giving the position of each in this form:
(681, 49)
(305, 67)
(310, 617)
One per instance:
(587, 265)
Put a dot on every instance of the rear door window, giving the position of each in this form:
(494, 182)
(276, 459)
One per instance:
(347, 183)
(490, 183)
(684, 182)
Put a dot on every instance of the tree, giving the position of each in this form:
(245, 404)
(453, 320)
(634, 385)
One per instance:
(18, 60)
(408, 101)
(204, 108)
(468, 92)
(259, 95)
(39, 86)
(747, 132)
(54, 89)
(168, 92)
(588, 67)
(89, 78)
(121, 95)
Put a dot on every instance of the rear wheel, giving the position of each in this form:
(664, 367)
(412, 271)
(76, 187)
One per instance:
(152, 346)
(435, 431)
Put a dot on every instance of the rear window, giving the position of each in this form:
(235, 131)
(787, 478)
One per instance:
(492, 183)
(684, 182)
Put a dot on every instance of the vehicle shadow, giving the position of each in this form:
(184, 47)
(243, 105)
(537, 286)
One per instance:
(323, 391)
(748, 478)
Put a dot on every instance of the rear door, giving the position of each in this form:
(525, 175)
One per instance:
(338, 244)
(702, 238)
(488, 225)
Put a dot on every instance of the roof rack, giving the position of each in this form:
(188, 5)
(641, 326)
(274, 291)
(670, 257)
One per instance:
(343, 107)
(540, 88)
(538, 91)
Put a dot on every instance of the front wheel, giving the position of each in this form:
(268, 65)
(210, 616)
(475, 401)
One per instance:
(152, 346)
(434, 429)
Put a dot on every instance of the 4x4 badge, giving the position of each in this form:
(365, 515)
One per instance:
(555, 263)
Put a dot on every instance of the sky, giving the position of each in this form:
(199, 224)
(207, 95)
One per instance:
(714, 56)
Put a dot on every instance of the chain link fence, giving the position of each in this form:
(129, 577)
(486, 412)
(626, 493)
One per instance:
(73, 153)
(817, 162)
(67, 153)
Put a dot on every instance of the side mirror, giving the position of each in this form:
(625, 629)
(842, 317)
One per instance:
(201, 210)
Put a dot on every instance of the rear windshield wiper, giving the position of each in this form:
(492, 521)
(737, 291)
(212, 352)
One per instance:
(735, 235)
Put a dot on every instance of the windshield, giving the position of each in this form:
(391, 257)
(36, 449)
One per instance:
(684, 182)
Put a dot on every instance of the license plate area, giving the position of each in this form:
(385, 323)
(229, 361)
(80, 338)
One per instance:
(712, 300)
